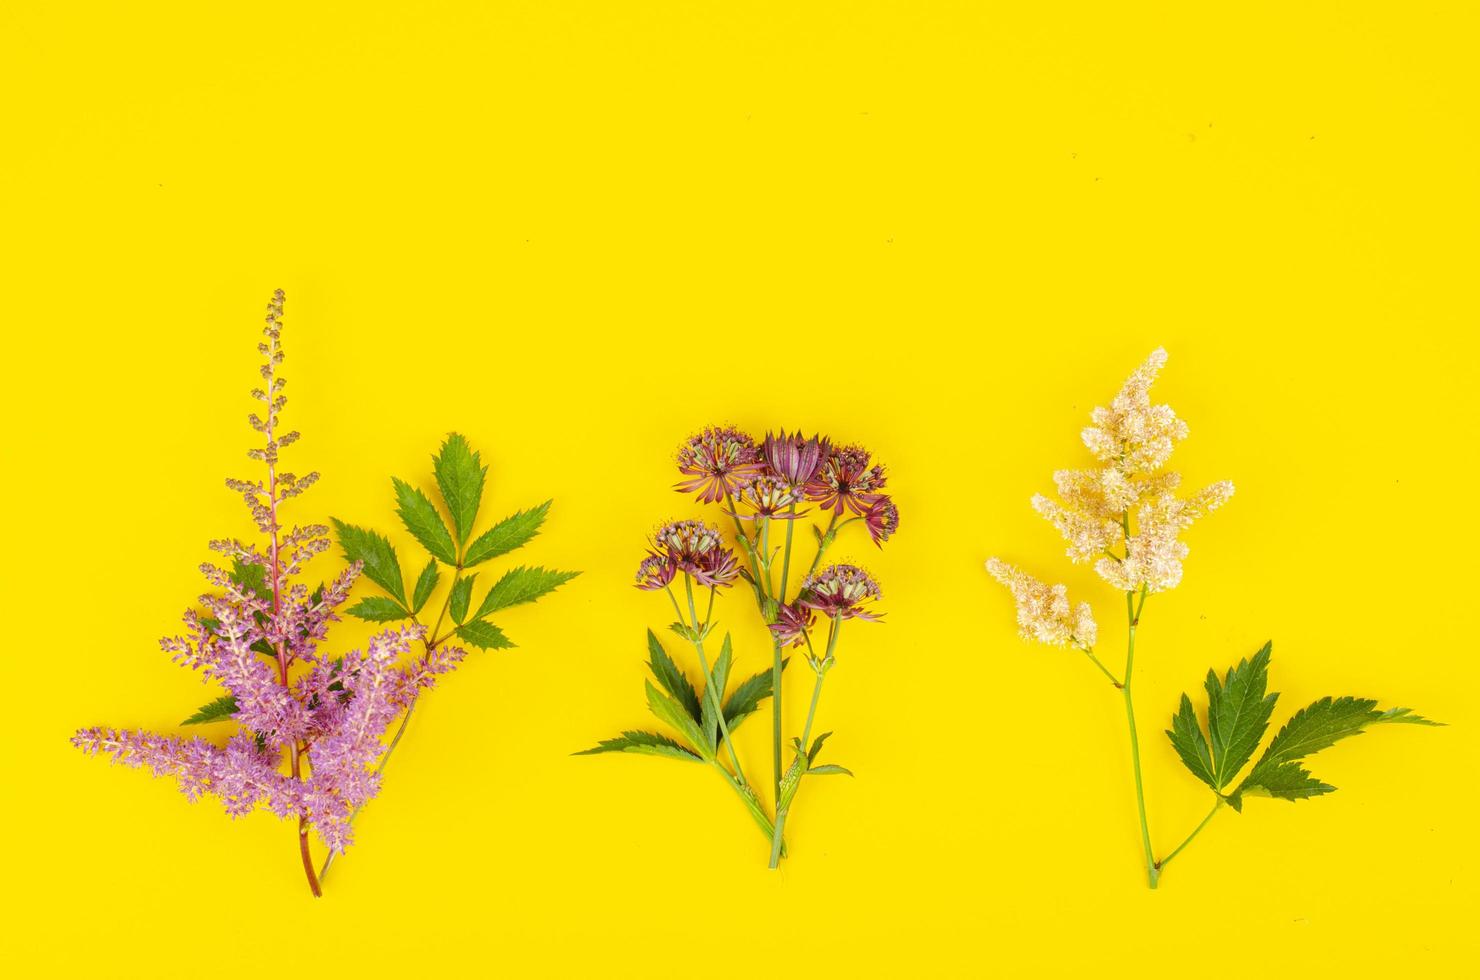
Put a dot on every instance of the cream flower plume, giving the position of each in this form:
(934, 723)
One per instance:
(1044, 612)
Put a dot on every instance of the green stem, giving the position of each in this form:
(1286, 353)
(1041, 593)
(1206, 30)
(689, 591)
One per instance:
(755, 571)
(776, 668)
(822, 546)
(783, 807)
(752, 804)
(1161, 865)
(1152, 873)
(1103, 669)
(709, 692)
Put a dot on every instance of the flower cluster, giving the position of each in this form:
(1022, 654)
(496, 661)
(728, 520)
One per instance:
(691, 547)
(258, 635)
(1129, 503)
(840, 592)
(1043, 611)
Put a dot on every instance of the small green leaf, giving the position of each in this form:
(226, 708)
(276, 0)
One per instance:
(672, 712)
(829, 770)
(420, 516)
(643, 743)
(746, 697)
(1238, 714)
(671, 677)
(817, 747)
(1187, 738)
(426, 584)
(720, 669)
(376, 554)
(520, 585)
(460, 476)
(484, 636)
(512, 532)
(377, 609)
(462, 594)
(218, 710)
(251, 577)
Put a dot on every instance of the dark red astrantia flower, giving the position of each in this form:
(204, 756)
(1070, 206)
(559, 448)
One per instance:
(718, 461)
(839, 591)
(793, 459)
(846, 480)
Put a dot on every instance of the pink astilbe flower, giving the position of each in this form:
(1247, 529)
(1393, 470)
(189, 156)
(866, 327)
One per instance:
(840, 592)
(846, 480)
(719, 461)
(1043, 611)
(793, 459)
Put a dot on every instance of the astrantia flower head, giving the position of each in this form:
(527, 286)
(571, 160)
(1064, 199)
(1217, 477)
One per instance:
(768, 496)
(719, 461)
(1043, 611)
(793, 459)
(793, 620)
(655, 572)
(882, 519)
(841, 591)
(846, 480)
(697, 548)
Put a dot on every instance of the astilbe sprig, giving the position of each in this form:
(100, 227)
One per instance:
(1126, 517)
(309, 725)
(756, 484)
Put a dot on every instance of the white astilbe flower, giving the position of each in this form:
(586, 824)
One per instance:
(1044, 612)
(1130, 503)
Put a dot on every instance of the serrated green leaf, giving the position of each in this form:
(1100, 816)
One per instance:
(460, 475)
(747, 696)
(251, 577)
(376, 555)
(720, 671)
(1315, 727)
(218, 710)
(672, 712)
(817, 747)
(419, 515)
(520, 585)
(1238, 714)
(484, 635)
(672, 679)
(829, 770)
(512, 532)
(1187, 738)
(377, 609)
(643, 743)
(462, 595)
(426, 584)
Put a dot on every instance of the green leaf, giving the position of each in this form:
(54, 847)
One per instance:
(218, 710)
(484, 636)
(1238, 714)
(709, 719)
(816, 747)
(426, 584)
(377, 609)
(673, 680)
(376, 554)
(420, 516)
(462, 594)
(510, 533)
(251, 577)
(829, 770)
(520, 585)
(747, 697)
(643, 743)
(672, 712)
(1313, 728)
(460, 476)
(1187, 738)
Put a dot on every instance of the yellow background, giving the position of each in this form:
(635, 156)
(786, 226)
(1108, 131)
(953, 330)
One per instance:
(577, 233)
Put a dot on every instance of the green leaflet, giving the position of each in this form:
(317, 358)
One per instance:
(670, 711)
(483, 635)
(218, 710)
(829, 770)
(462, 595)
(426, 583)
(377, 555)
(746, 697)
(520, 585)
(643, 743)
(460, 476)
(1187, 738)
(671, 678)
(708, 718)
(377, 609)
(1317, 726)
(420, 516)
(251, 577)
(1238, 714)
(816, 747)
(512, 532)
